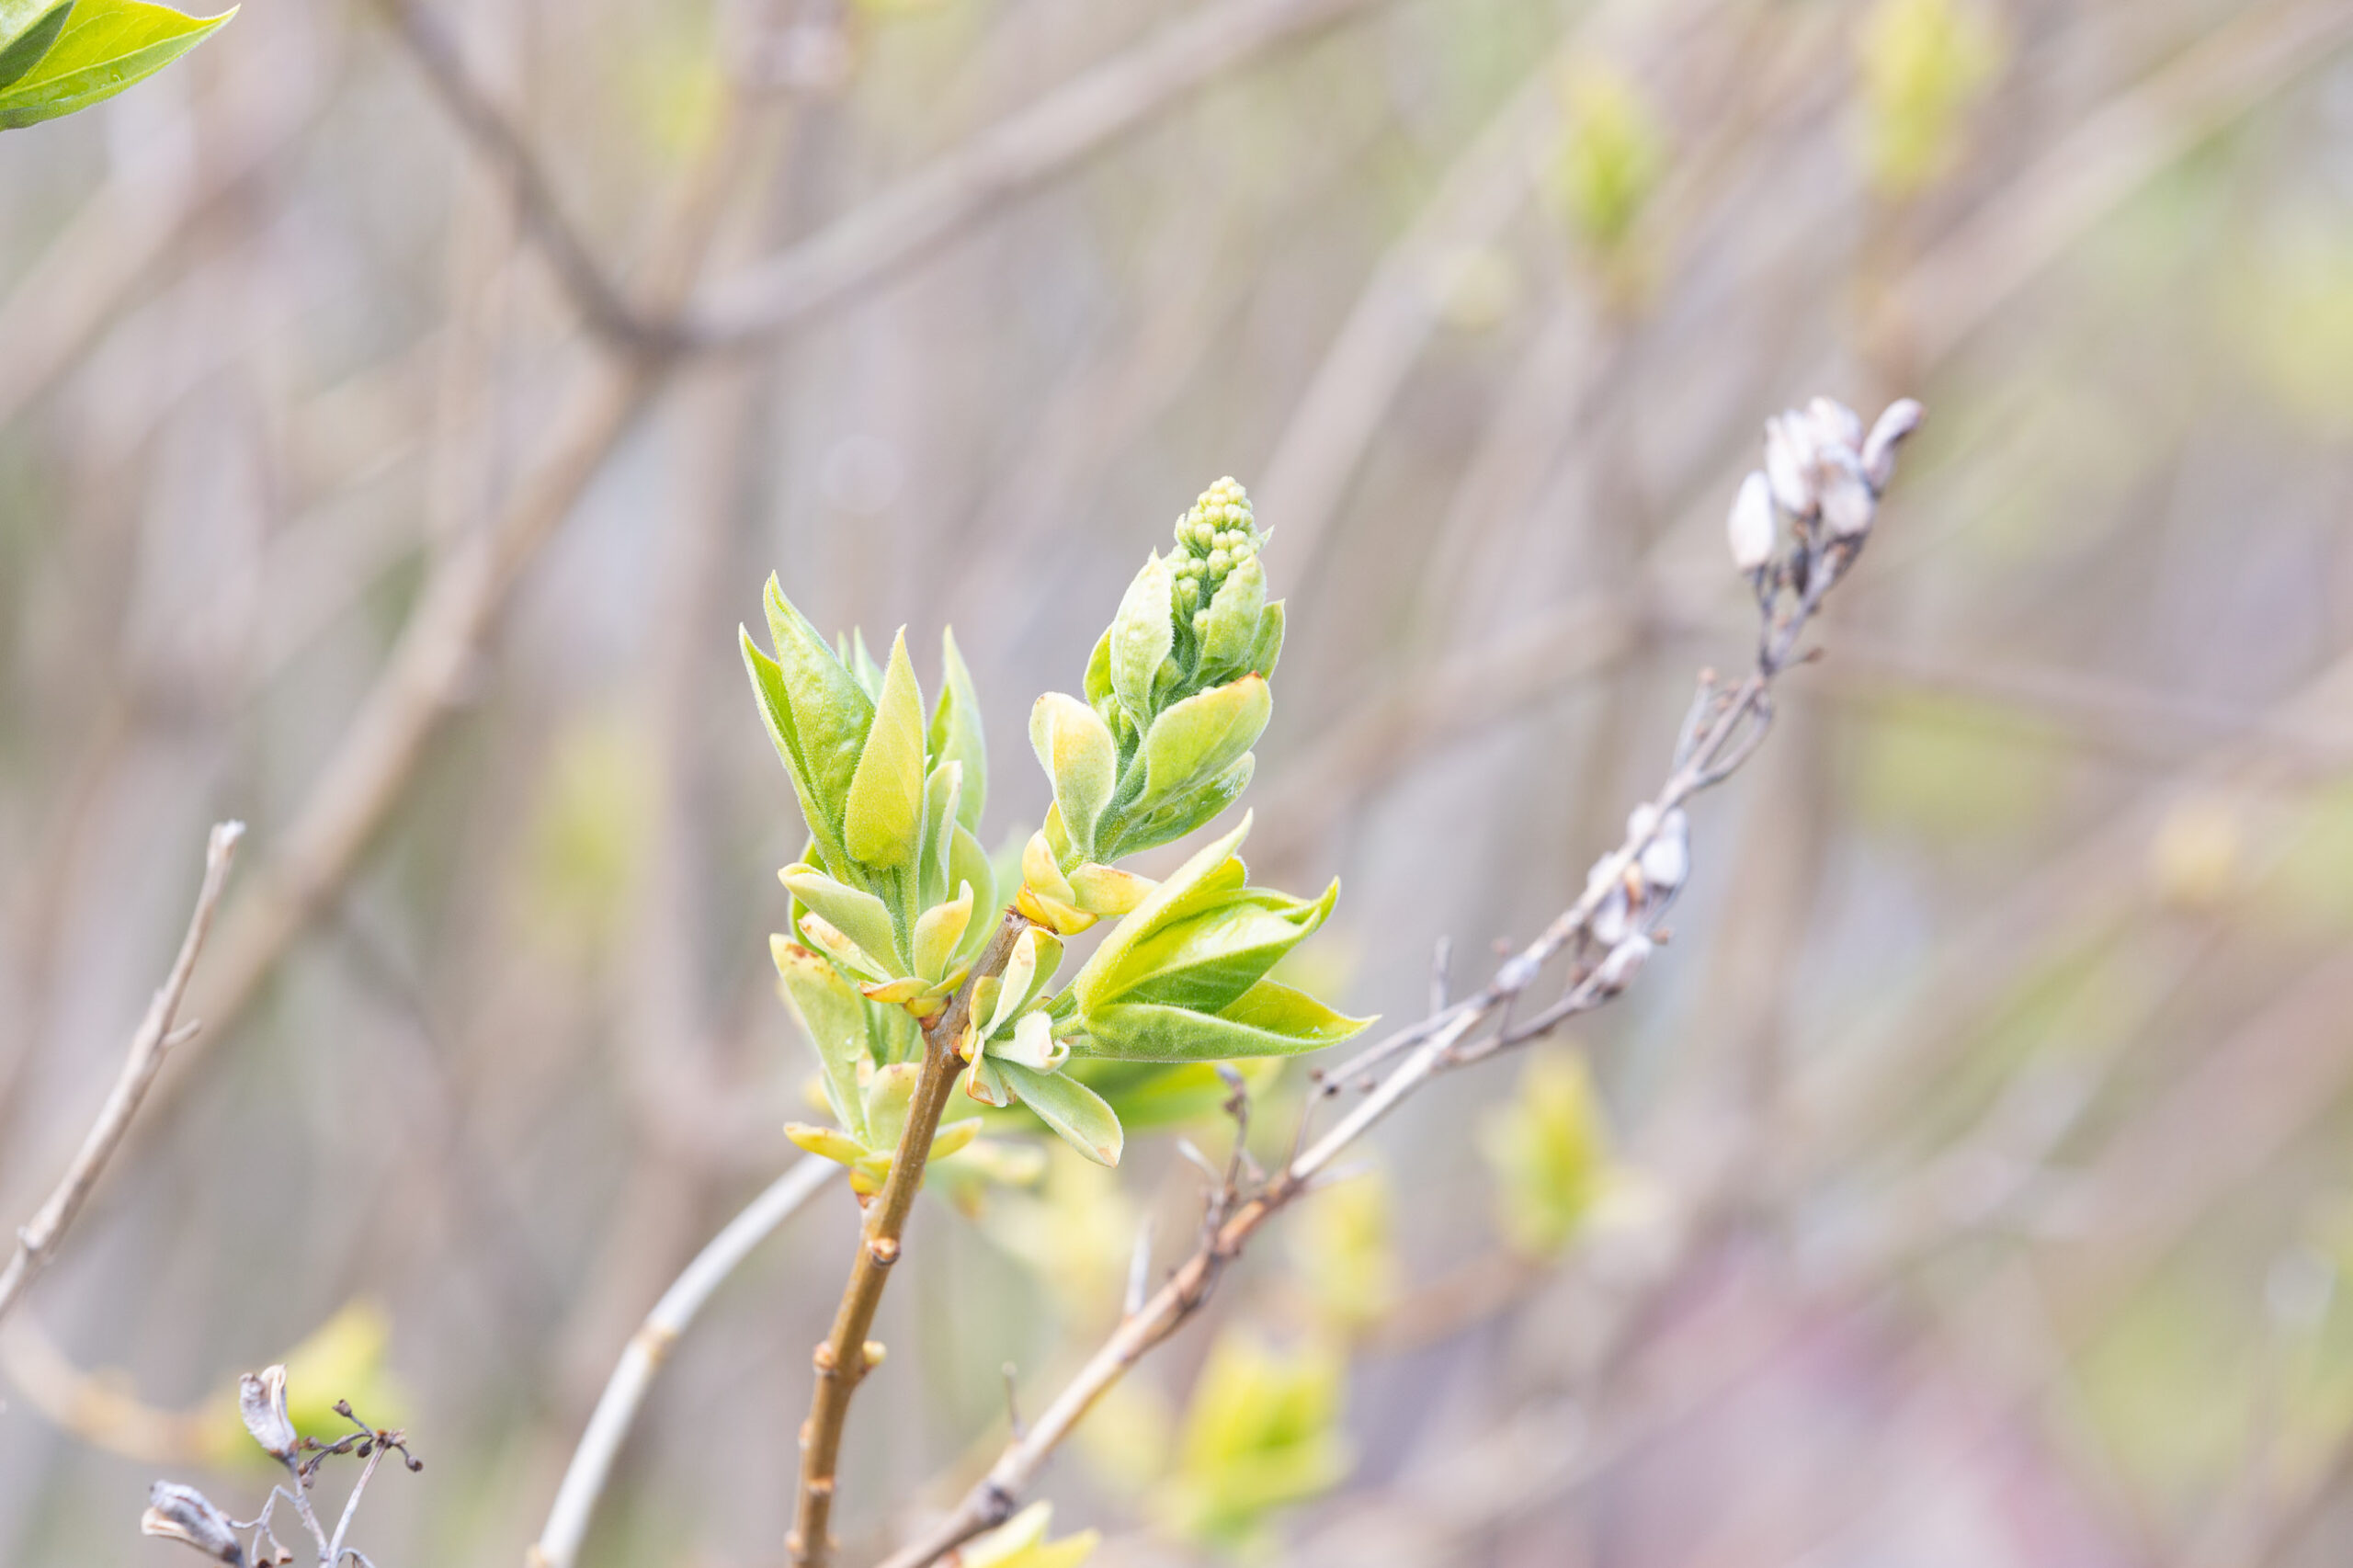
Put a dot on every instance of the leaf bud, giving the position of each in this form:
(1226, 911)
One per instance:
(261, 1400)
(183, 1514)
(1613, 918)
(1749, 528)
(1898, 420)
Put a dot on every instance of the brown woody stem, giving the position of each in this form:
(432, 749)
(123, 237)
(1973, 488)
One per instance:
(841, 1360)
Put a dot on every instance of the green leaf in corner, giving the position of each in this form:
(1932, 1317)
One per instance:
(27, 30)
(882, 819)
(102, 47)
(1070, 1108)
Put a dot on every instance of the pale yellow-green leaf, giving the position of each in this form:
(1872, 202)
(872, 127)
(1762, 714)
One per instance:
(937, 931)
(1079, 756)
(104, 47)
(882, 819)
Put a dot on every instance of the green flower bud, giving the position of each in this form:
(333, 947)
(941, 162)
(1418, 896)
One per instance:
(1220, 562)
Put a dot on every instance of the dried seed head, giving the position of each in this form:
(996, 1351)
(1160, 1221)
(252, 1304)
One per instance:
(261, 1400)
(1848, 499)
(1834, 424)
(1666, 859)
(1613, 920)
(1624, 962)
(1898, 420)
(1750, 527)
(1790, 463)
(183, 1514)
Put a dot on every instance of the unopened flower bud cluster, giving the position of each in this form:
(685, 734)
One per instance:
(1215, 537)
(1824, 475)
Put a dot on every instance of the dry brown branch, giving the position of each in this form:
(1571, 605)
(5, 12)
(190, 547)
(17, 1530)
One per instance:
(479, 116)
(846, 1356)
(968, 182)
(37, 1241)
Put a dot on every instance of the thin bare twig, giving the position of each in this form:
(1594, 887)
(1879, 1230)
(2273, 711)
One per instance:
(37, 1241)
(609, 1426)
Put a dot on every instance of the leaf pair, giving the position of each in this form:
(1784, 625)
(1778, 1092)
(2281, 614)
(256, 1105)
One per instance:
(1183, 976)
(886, 1094)
(57, 56)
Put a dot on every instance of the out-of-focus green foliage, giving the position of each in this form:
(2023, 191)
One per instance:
(1955, 769)
(1612, 153)
(57, 56)
(1020, 1543)
(344, 1359)
(1342, 1246)
(1263, 1431)
(1078, 1231)
(2289, 317)
(1924, 63)
(588, 835)
(1550, 1151)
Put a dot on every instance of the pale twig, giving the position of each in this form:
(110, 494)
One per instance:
(609, 1426)
(1003, 161)
(1736, 722)
(845, 1355)
(601, 304)
(37, 1241)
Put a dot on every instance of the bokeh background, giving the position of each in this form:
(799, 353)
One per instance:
(1965, 1184)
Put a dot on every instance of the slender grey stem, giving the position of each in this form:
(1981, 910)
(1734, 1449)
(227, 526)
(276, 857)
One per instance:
(625, 1390)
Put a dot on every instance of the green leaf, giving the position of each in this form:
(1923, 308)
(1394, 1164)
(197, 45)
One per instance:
(1233, 629)
(1269, 1019)
(1070, 1108)
(942, 793)
(1207, 961)
(829, 719)
(955, 730)
(969, 863)
(1082, 759)
(1200, 738)
(1100, 694)
(1268, 646)
(1093, 981)
(25, 33)
(833, 1016)
(1036, 954)
(1141, 634)
(939, 931)
(889, 1092)
(1182, 815)
(882, 817)
(104, 47)
(855, 913)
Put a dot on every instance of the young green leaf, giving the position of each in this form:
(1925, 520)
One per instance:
(882, 816)
(1200, 738)
(1082, 759)
(1180, 816)
(942, 793)
(938, 930)
(833, 1018)
(1207, 960)
(1093, 981)
(104, 47)
(27, 28)
(1268, 646)
(1141, 634)
(1232, 627)
(955, 730)
(1070, 1108)
(855, 913)
(1269, 1019)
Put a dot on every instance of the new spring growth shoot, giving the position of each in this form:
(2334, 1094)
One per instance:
(892, 899)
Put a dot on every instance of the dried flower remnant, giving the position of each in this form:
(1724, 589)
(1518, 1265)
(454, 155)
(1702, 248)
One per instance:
(261, 1401)
(183, 1514)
